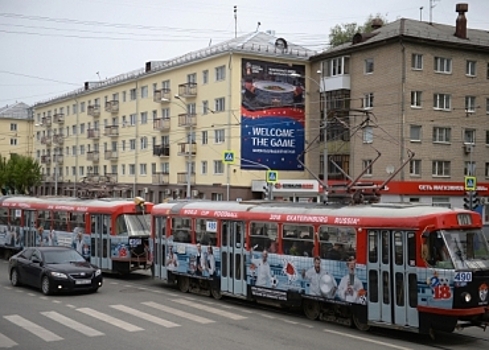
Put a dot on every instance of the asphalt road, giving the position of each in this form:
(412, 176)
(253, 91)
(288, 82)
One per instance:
(140, 313)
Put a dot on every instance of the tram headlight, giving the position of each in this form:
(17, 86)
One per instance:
(467, 297)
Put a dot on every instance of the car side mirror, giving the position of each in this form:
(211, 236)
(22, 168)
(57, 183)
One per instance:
(36, 261)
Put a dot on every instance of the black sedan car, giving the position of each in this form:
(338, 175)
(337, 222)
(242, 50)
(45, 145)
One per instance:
(54, 269)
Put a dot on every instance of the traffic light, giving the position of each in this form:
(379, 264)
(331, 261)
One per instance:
(471, 200)
(475, 200)
(267, 191)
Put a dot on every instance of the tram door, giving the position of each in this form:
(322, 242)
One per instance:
(160, 248)
(233, 277)
(392, 282)
(30, 229)
(100, 241)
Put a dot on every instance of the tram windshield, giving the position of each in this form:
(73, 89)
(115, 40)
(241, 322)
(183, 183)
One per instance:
(466, 248)
(133, 225)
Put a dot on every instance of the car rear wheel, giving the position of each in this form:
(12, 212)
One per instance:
(14, 278)
(46, 285)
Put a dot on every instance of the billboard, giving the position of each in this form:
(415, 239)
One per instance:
(272, 115)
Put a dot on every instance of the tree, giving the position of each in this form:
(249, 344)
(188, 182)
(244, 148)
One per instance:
(19, 174)
(343, 33)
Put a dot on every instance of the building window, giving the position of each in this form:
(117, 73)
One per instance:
(416, 98)
(369, 65)
(218, 167)
(366, 164)
(368, 101)
(486, 172)
(336, 66)
(144, 118)
(205, 107)
(143, 142)
(165, 84)
(144, 91)
(469, 136)
(132, 169)
(442, 102)
(219, 136)
(132, 94)
(132, 119)
(415, 167)
(143, 169)
(13, 127)
(192, 78)
(220, 104)
(470, 104)
(220, 73)
(415, 133)
(440, 168)
(443, 65)
(441, 202)
(368, 134)
(13, 142)
(217, 197)
(487, 105)
(132, 144)
(469, 168)
(205, 77)
(487, 137)
(470, 68)
(203, 167)
(205, 138)
(487, 73)
(442, 134)
(417, 61)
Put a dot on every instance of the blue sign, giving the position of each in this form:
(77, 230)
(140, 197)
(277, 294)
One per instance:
(228, 157)
(470, 183)
(272, 176)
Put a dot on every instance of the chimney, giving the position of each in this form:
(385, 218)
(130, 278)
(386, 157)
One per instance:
(461, 23)
(376, 23)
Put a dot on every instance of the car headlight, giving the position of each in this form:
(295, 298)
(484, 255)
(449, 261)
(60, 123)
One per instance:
(98, 272)
(467, 297)
(58, 274)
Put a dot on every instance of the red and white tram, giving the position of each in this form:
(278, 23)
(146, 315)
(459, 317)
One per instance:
(111, 233)
(403, 266)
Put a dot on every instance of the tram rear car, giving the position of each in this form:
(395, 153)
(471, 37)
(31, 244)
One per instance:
(366, 265)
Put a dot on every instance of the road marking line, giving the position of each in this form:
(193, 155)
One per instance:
(236, 308)
(267, 316)
(209, 309)
(179, 313)
(35, 329)
(6, 342)
(145, 316)
(109, 319)
(71, 306)
(373, 341)
(44, 298)
(32, 294)
(173, 294)
(56, 301)
(19, 291)
(114, 283)
(291, 322)
(77, 326)
(9, 288)
(306, 325)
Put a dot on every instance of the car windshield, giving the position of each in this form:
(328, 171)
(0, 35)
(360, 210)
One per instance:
(62, 257)
(133, 225)
(468, 248)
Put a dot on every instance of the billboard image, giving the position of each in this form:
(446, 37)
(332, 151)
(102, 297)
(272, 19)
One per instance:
(272, 115)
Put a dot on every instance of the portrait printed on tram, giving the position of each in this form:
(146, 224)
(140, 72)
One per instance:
(260, 269)
(321, 283)
(210, 263)
(171, 259)
(350, 288)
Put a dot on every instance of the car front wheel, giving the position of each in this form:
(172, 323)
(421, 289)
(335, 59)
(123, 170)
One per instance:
(14, 278)
(46, 285)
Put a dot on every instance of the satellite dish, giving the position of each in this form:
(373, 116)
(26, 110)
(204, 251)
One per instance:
(389, 169)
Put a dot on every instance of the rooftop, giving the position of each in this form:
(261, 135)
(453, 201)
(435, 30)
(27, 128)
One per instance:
(18, 110)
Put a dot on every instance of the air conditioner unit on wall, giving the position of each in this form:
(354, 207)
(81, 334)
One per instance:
(468, 148)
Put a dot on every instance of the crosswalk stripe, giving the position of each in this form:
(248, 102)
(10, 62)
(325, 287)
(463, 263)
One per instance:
(77, 326)
(109, 319)
(145, 316)
(6, 342)
(178, 313)
(35, 329)
(209, 309)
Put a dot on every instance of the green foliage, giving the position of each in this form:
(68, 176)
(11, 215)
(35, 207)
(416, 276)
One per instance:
(19, 174)
(343, 33)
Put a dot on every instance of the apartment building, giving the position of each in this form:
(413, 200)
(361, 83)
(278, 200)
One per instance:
(417, 94)
(16, 124)
(203, 125)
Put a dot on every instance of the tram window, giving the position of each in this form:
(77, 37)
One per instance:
(60, 221)
(385, 288)
(77, 222)
(237, 274)
(203, 235)
(373, 248)
(3, 216)
(337, 243)
(413, 290)
(44, 219)
(298, 240)
(264, 236)
(398, 248)
(411, 249)
(385, 247)
(181, 230)
(15, 217)
(160, 227)
(224, 264)
(399, 289)
(373, 290)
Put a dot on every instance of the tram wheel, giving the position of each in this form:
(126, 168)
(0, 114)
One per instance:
(311, 308)
(216, 293)
(361, 326)
(183, 284)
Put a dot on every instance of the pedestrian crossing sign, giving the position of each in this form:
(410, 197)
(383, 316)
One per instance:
(272, 176)
(228, 157)
(470, 183)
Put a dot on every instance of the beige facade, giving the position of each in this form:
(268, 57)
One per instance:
(16, 135)
(135, 128)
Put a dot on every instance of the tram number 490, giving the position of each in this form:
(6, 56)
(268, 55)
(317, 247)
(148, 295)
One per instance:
(463, 277)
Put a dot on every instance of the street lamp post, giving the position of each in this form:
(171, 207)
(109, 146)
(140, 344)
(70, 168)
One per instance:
(189, 158)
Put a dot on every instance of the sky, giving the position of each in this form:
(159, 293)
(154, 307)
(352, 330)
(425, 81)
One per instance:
(51, 47)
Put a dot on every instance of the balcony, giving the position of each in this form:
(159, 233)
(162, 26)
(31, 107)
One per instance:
(93, 156)
(58, 139)
(187, 90)
(161, 150)
(46, 140)
(46, 122)
(111, 177)
(59, 118)
(111, 155)
(94, 111)
(162, 96)
(182, 178)
(58, 158)
(47, 178)
(187, 119)
(112, 106)
(111, 130)
(161, 124)
(93, 134)
(46, 159)
(161, 178)
(184, 149)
